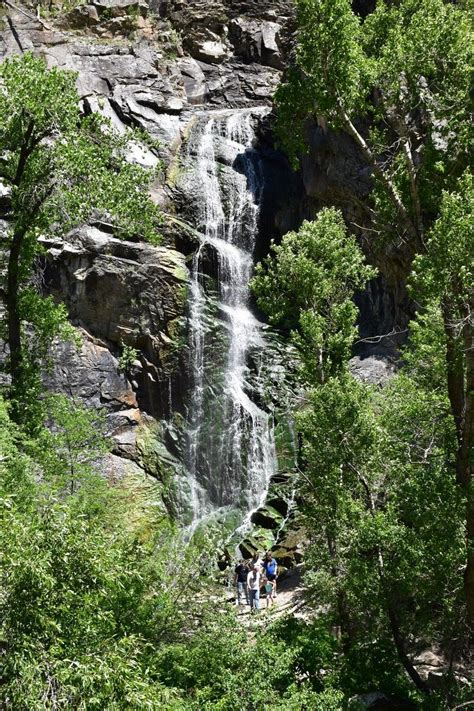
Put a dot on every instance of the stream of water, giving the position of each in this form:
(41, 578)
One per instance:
(230, 440)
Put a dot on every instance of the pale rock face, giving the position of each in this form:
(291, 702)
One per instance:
(212, 51)
(118, 5)
(194, 80)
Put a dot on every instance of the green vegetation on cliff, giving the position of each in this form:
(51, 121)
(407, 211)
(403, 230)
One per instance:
(102, 605)
(59, 168)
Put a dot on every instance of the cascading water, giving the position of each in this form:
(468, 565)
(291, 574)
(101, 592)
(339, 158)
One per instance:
(230, 443)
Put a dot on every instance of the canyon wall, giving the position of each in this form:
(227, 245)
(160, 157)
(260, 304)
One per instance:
(158, 66)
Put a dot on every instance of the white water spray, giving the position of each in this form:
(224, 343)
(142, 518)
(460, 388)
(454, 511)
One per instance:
(231, 449)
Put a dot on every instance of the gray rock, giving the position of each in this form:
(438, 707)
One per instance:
(257, 41)
(267, 517)
(89, 373)
(125, 440)
(211, 49)
(196, 18)
(194, 80)
(118, 7)
(116, 468)
(111, 286)
(83, 16)
(124, 293)
(376, 370)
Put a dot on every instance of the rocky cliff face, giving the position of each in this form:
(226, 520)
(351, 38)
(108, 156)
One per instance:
(148, 66)
(125, 294)
(152, 65)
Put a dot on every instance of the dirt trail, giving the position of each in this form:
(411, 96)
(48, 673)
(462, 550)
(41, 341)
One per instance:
(290, 600)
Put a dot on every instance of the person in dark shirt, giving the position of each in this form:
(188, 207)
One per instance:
(240, 580)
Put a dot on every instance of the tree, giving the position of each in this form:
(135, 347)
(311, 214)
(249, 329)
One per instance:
(415, 97)
(59, 168)
(307, 283)
(85, 599)
(72, 445)
(444, 274)
(415, 93)
(374, 464)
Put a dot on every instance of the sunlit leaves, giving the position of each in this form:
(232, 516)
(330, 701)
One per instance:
(61, 169)
(446, 271)
(307, 284)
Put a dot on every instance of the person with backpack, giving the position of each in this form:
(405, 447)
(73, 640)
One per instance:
(270, 567)
(240, 580)
(253, 586)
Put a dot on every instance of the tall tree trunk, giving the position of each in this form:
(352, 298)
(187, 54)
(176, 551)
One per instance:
(383, 177)
(455, 371)
(464, 465)
(343, 614)
(460, 365)
(14, 320)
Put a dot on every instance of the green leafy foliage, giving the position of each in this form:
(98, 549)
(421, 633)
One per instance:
(60, 169)
(376, 465)
(415, 93)
(445, 272)
(85, 600)
(94, 615)
(128, 355)
(306, 284)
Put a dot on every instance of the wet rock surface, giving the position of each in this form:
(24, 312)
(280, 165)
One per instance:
(150, 65)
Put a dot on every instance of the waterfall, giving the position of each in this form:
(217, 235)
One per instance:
(230, 440)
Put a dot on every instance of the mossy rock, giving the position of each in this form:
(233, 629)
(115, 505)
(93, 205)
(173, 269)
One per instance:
(267, 517)
(249, 546)
(265, 538)
(294, 539)
(278, 503)
(284, 558)
(160, 463)
(282, 478)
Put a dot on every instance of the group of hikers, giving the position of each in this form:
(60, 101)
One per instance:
(251, 576)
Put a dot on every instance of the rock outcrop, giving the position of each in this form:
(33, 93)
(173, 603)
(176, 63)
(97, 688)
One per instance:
(124, 294)
(151, 65)
(147, 82)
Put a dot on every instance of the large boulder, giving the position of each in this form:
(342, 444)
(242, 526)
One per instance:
(124, 294)
(83, 16)
(194, 80)
(267, 517)
(211, 49)
(257, 41)
(118, 7)
(89, 372)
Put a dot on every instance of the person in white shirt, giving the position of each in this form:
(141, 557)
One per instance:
(253, 587)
